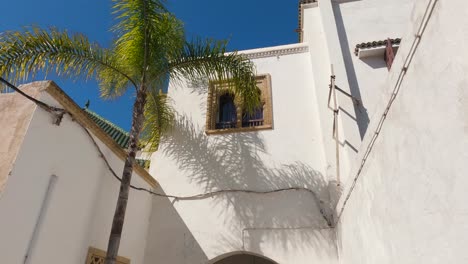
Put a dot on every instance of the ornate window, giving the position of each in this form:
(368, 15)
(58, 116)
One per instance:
(225, 113)
(97, 256)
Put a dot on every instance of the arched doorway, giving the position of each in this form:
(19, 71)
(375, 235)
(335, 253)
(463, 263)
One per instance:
(244, 258)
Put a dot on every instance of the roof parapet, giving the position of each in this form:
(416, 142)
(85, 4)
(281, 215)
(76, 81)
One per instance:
(301, 5)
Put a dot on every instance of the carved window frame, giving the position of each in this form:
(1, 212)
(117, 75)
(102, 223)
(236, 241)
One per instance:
(216, 90)
(97, 256)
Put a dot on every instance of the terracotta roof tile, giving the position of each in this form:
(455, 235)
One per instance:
(373, 44)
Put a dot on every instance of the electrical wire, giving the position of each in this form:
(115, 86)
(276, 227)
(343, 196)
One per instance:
(200, 196)
(43, 105)
(427, 15)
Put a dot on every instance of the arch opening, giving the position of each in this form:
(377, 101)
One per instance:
(244, 258)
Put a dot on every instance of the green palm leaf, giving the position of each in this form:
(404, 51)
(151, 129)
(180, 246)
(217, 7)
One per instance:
(208, 59)
(146, 34)
(150, 47)
(23, 54)
(159, 117)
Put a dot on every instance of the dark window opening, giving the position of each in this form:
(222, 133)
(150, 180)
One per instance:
(227, 114)
(254, 119)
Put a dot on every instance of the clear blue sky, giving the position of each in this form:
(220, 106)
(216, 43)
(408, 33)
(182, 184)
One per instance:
(247, 23)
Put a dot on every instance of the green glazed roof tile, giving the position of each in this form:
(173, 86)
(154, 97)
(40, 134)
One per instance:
(119, 135)
(145, 164)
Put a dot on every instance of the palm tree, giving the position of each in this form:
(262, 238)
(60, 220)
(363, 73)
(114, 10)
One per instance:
(149, 48)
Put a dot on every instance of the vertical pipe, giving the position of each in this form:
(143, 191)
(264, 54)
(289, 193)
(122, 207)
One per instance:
(335, 126)
(45, 202)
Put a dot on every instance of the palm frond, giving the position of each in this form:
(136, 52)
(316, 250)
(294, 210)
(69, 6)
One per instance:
(24, 54)
(159, 116)
(208, 59)
(146, 33)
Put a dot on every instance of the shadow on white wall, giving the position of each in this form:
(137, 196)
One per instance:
(237, 161)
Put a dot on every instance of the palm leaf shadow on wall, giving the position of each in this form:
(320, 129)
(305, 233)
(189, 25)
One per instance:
(236, 161)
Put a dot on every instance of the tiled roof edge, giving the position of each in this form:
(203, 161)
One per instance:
(81, 116)
(373, 44)
(107, 121)
(119, 135)
(144, 163)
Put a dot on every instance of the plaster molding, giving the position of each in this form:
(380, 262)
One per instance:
(304, 4)
(310, 5)
(274, 52)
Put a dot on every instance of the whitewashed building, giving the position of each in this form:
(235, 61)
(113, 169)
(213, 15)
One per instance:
(358, 155)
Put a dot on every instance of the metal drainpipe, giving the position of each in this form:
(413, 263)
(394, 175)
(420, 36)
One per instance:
(335, 124)
(40, 217)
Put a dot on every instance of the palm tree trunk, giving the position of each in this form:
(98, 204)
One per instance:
(119, 215)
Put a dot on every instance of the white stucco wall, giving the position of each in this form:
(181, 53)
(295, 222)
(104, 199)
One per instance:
(409, 204)
(332, 29)
(367, 21)
(82, 201)
(286, 227)
(314, 35)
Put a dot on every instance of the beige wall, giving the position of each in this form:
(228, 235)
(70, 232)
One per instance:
(15, 115)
